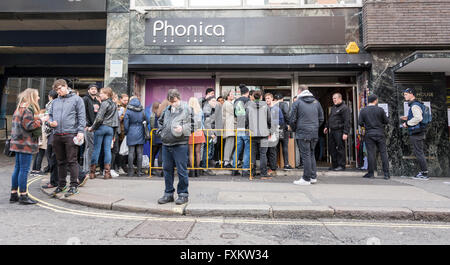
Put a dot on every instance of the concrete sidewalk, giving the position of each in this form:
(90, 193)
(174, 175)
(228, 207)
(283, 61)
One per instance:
(336, 195)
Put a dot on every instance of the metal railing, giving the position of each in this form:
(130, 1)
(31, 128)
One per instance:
(207, 151)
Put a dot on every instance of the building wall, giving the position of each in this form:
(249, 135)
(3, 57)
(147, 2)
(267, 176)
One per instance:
(400, 23)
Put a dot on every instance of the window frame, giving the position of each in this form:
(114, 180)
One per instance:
(244, 6)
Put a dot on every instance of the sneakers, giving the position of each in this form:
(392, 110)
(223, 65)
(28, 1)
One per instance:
(58, 190)
(181, 200)
(423, 175)
(313, 180)
(287, 167)
(72, 191)
(25, 200)
(114, 174)
(166, 199)
(302, 182)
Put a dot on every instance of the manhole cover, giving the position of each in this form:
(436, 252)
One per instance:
(162, 230)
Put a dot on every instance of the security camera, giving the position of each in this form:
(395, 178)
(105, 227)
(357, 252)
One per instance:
(141, 10)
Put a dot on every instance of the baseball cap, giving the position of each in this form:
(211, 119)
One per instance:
(92, 85)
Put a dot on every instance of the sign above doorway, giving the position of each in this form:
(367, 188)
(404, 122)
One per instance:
(256, 31)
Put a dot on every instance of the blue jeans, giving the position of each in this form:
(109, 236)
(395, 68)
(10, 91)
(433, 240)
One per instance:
(243, 142)
(104, 135)
(21, 169)
(175, 156)
(210, 154)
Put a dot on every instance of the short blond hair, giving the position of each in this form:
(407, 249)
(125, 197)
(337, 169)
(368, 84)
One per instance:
(107, 91)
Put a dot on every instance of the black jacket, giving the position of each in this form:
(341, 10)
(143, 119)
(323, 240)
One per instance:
(306, 116)
(285, 110)
(373, 119)
(107, 115)
(90, 109)
(339, 118)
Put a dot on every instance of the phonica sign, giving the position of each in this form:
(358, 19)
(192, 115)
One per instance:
(168, 32)
(246, 31)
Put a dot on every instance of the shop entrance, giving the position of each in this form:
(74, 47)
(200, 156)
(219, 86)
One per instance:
(324, 94)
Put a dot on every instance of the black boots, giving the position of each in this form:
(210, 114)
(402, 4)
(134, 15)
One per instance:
(14, 198)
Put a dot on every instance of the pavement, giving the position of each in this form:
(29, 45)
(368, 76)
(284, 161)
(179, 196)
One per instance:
(341, 195)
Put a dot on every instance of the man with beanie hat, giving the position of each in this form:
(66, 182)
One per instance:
(416, 130)
(374, 119)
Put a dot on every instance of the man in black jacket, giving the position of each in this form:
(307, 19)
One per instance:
(306, 118)
(338, 127)
(92, 105)
(373, 119)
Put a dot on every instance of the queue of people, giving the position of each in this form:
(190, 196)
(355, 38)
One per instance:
(79, 135)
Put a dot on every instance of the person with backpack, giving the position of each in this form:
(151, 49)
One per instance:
(243, 140)
(418, 117)
(134, 130)
(373, 119)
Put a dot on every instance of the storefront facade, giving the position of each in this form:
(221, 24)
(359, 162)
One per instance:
(272, 48)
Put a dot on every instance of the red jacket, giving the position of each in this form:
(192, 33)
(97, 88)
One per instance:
(23, 123)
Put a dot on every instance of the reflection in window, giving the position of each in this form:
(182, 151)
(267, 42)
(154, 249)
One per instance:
(330, 2)
(219, 3)
(272, 2)
(165, 3)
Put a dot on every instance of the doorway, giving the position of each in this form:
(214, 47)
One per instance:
(324, 95)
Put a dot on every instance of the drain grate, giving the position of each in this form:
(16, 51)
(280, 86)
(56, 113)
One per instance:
(162, 230)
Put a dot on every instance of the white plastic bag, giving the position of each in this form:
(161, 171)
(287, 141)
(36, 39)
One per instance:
(123, 151)
(145, 161)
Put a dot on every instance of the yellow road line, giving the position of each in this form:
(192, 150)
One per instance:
(64, 210)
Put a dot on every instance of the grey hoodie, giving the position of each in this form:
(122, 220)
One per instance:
(258, 118)
(69, 112)
(306, 116)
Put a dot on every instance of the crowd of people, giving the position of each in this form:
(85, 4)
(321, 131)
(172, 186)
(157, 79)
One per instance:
(78, 135)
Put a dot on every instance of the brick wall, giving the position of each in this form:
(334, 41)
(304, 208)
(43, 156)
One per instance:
(406, 23)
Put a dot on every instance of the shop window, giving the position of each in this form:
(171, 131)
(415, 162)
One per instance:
(209, 3)
(155, 4)
(331, 2)
(272, 3)
(160, 3)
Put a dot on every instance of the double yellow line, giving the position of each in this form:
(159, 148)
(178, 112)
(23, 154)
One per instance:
(64, 210)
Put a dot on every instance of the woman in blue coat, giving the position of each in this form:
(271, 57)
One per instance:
(134, 130)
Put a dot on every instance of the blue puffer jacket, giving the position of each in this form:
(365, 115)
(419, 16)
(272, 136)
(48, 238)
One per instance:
(134, 129)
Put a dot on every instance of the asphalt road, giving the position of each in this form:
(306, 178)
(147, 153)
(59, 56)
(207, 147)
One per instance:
(55, 222)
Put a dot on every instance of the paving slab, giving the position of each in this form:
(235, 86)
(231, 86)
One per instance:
(93, 200)
(148, 207)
